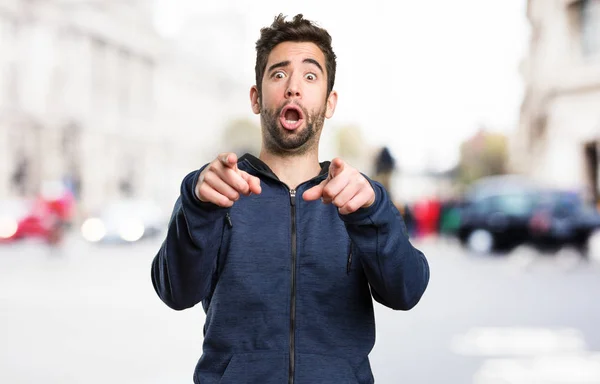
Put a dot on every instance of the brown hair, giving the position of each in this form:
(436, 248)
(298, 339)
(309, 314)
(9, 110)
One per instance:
(298, 30)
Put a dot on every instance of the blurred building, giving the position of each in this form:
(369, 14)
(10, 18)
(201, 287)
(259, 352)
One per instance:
(79, 103)
(91, 95)
(559, 134)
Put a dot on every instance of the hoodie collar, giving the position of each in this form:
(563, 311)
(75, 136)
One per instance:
(263, 168)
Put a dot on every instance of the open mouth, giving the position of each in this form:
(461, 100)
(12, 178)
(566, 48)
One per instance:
(291, 117)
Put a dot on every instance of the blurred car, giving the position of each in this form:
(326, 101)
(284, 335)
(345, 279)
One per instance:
(124, 221)
(449, 221)
(496, 213)
(562, 218)
(46, 216)
(12, 213)
(21, 218)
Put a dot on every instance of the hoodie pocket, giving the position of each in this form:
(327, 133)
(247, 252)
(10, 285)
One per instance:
(224, 246)
(324, 369)
(349, 261)
(256, 367)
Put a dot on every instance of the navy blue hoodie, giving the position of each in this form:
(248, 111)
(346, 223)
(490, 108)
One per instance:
(286, 284)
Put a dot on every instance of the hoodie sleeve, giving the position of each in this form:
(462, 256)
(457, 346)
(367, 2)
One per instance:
(397, 272)
(184, 268)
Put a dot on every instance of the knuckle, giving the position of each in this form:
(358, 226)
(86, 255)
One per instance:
(229, 176)
(207, 178)
(224, 201)
(202, 192)
(351, 206)
(243, 186)
(202, 188)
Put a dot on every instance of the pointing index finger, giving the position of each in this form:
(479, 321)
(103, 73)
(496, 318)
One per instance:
(336, 167)
(229, 160)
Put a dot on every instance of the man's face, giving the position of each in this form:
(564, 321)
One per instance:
(294, 102)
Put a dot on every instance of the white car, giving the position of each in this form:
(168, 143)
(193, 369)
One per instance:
(128, 220)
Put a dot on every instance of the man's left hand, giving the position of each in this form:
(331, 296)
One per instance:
(345, 187)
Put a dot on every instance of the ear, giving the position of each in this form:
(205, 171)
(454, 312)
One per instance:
(254, 100)
(331, 103)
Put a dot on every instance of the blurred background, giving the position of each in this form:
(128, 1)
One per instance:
(482, 118)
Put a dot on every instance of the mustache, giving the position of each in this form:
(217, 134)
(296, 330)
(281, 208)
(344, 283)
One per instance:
(294, 103)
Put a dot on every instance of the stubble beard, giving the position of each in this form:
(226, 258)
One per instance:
(279, 141)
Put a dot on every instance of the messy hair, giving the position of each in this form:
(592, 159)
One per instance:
(297, 30)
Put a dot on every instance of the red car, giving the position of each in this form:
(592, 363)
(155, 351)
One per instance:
(43, 217)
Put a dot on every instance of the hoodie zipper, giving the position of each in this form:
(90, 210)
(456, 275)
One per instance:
(293, 291)
(292, 362)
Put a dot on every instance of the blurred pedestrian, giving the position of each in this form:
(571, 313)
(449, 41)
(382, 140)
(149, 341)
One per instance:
(427, 213)
(286, 280)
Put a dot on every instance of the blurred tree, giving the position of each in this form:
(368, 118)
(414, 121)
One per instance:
(484, 154)
(349, 141)
(242, 136)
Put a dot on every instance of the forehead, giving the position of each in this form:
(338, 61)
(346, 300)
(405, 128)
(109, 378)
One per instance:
(296, 52)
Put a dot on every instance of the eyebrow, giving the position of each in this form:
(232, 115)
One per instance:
(285, 63)
(279, 65)
(315, 62)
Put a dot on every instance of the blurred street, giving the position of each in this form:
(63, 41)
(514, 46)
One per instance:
(484, 128)
(88, 314)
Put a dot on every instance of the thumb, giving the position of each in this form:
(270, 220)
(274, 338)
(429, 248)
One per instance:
(336, 167)
(315, 192)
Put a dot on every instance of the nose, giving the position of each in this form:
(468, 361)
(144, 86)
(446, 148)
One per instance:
(293, 90)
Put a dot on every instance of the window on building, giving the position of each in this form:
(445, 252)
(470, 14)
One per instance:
(539, 126)
(124, 95)
(4, 42)
(12, 87)
(147, 86)
(99, 74)
(8, 63)
(20, 174)
(590, 27)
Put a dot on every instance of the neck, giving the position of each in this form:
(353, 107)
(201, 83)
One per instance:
(290, 169)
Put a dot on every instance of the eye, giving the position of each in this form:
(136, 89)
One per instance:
(310, 76)
(278, 75)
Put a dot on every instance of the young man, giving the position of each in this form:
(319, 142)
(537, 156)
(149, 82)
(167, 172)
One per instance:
(284, 252)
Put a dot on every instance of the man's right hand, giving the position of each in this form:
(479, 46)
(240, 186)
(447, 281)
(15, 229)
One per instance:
(221, 182)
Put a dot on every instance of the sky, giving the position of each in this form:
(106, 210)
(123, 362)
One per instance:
(417, 76)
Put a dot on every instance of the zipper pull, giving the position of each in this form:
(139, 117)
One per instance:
(228, 218)
(293, 196)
